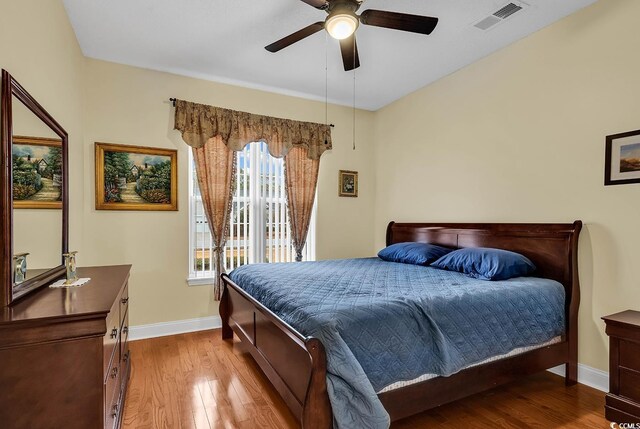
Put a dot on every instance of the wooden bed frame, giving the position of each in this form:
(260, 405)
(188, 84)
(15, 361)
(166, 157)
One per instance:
(296, 365)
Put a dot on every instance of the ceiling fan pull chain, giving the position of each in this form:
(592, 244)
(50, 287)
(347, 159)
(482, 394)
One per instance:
(354, 103)
(326, 84)
(326, 78)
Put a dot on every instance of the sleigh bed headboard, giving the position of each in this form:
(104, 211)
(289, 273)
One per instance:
(552, 247)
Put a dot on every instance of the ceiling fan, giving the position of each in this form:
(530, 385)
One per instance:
(342, 22)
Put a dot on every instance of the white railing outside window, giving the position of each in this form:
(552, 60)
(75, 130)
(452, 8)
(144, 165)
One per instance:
(259, 223)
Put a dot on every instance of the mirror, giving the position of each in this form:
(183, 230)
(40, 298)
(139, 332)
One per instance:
(34, 155)
(36, 166)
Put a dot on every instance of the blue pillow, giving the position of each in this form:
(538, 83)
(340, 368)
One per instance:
(412, 253)
(486, 264)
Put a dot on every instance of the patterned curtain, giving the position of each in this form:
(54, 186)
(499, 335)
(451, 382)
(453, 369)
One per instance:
(199, 122)
(216, 134)
(216, 171)
(300, 178)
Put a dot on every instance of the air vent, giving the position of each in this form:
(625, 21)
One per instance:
(507, 11)
(498, 16)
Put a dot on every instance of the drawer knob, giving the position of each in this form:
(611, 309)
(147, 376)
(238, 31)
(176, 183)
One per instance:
(115, 411)
(124, 300)
(125, 329)
(114, 372)
(114, 332)
(126, 357)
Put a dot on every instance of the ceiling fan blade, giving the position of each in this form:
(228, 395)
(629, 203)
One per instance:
(349, 50)
(399, 21)
(295, 37)
(318, 4)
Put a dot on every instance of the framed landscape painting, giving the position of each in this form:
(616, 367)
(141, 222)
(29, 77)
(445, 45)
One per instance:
(622, 158)
(136, 178)
(37, 173)
(348, 183)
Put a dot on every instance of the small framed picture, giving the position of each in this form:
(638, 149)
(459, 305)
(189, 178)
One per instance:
(136, 178)
(622, 158)
(347, 183)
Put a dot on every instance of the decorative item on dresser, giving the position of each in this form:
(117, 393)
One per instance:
(623, 400)
(65, 354)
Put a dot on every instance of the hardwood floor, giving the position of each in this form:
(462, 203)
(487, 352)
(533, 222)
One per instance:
(199, 381)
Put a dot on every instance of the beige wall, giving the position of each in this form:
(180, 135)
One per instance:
(39, 48)
(130, 105)
(519, 137)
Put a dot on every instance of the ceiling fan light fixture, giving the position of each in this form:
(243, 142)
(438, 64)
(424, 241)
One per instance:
(342, 24)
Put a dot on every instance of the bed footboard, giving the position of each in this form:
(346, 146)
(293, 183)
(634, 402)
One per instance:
(296, 365)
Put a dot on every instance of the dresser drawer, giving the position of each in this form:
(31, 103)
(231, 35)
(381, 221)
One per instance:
(111, 337)
(630, 384)
(124, 301)
(126, 356)
(124, 336)
(630, 355)
(112, 387)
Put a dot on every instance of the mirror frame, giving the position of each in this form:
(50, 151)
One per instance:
(11, 88)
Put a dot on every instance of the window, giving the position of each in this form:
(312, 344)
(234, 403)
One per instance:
(259, 222)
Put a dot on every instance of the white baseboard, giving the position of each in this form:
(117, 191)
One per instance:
(162, 329)
(591, 377)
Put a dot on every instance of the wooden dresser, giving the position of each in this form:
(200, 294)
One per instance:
(64, 355)
(623, 400)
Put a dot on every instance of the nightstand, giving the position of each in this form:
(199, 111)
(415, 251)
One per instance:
(623, 400)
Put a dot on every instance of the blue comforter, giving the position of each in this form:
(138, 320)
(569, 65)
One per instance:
(384, 322)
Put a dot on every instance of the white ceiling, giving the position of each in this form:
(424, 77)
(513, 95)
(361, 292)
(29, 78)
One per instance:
(223, 40)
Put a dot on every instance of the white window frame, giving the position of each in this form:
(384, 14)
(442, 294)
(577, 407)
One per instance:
(255, 224)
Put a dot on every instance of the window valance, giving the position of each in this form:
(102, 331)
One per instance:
(199, 122)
